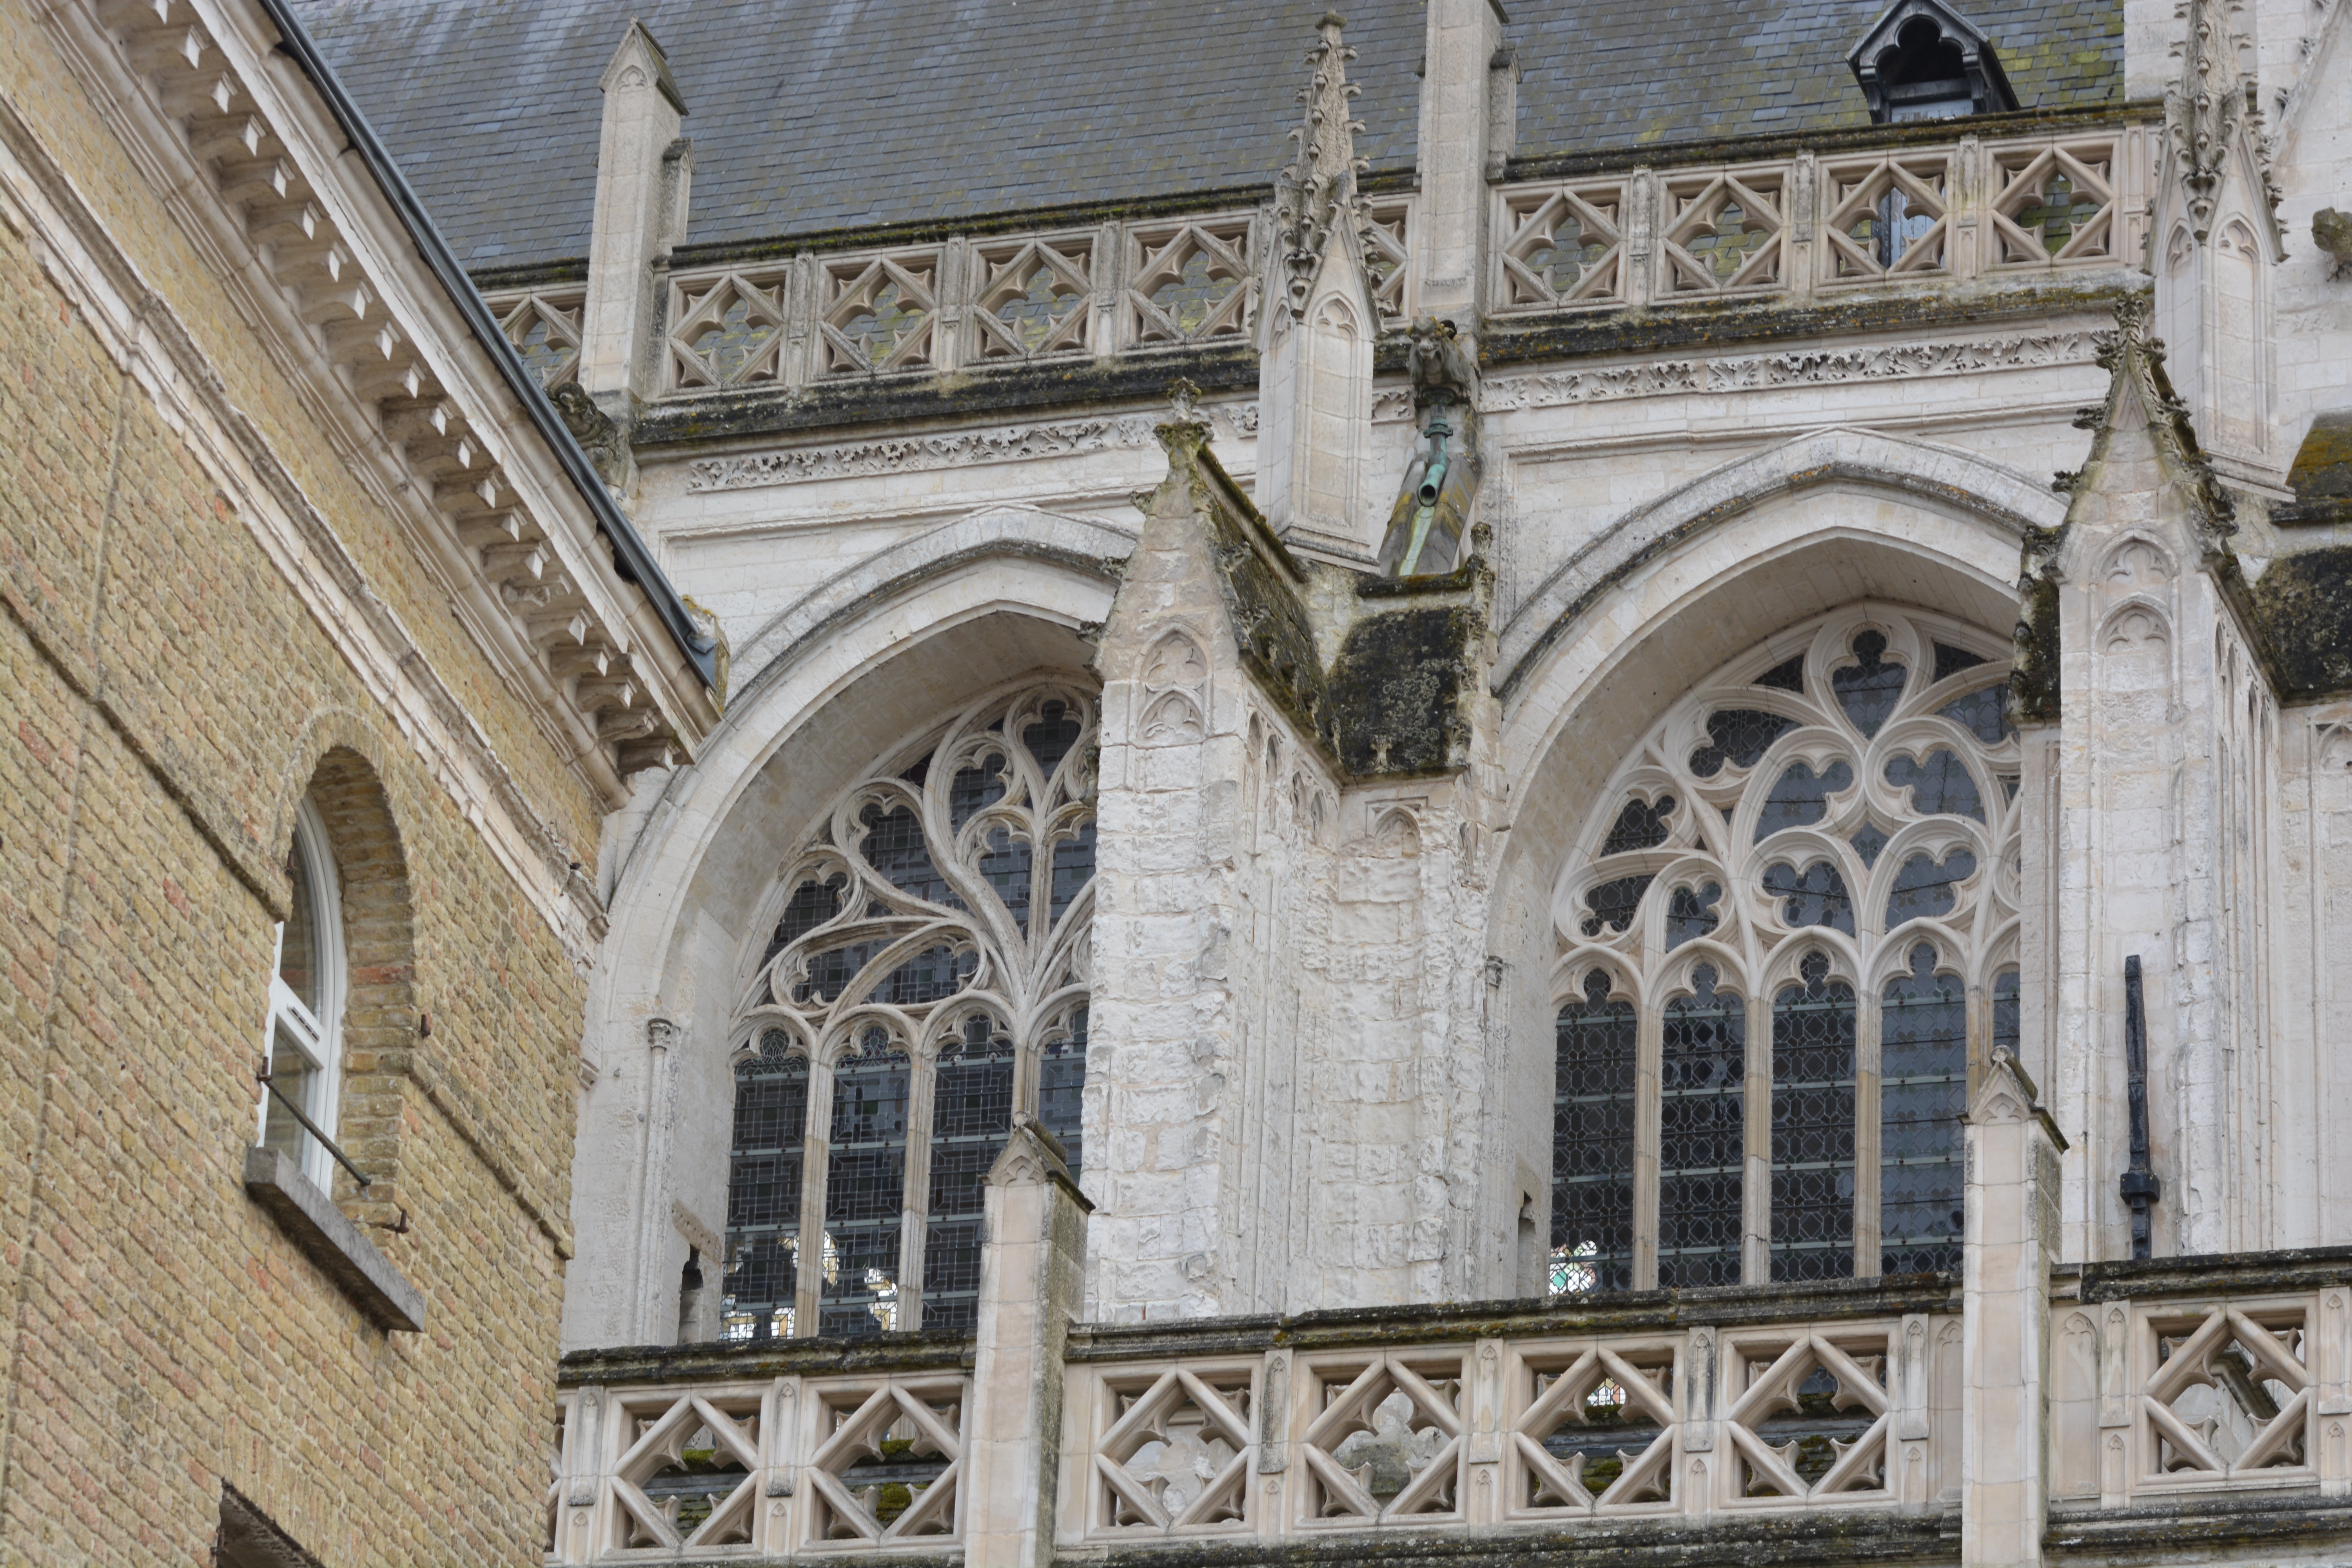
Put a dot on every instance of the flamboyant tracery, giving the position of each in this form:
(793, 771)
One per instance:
(926, 978)
(1789, 929)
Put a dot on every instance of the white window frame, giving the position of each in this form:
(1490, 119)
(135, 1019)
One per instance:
(318, 1036)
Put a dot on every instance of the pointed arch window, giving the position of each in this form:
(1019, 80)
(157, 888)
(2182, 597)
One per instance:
(1794, 910)
(925, 980)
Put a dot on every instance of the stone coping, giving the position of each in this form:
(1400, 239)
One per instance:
(1753, 1541)
(2216, 1274)
(329, 1238)
(2191, 1523)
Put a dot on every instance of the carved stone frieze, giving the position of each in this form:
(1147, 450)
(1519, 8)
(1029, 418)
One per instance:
(1807, 367)
(950, 448)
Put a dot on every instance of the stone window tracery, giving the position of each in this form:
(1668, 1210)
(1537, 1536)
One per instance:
(1788, 930)
(925, 979)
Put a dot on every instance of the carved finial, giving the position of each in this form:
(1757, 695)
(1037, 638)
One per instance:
(2208, 105)
(1316, 196)
(1184, 401)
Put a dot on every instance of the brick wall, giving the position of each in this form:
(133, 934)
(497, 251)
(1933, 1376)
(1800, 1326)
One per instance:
(166, 697)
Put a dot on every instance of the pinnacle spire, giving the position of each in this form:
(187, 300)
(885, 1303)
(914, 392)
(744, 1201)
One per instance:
(1315, 196)
(2208, 103)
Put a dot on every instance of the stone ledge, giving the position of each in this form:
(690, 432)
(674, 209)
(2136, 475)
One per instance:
(1630, 1312)
(718, 1361)
(2190, 1522)
(2217, 1274)
(331, 1241)
(1753, 1542)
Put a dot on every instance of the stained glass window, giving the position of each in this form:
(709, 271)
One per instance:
(1922, 1088)
(763, 1190)
(1812, 1126)
(1873, 821)
(1702, 1135)
(1594, 1079)
(971, 1112)
(944, 893)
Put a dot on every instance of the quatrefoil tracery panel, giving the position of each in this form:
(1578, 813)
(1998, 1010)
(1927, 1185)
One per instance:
(1035, 298)
(1386, 1441)
(954, 883)
(726, 331)
(880, 313)
(2054, 203)
(1887, 217)
(887, 1463)
(1190, 282)
(689, 1478)
(1599, 1433)
(1810, 1418)
(544, 329)
(1725, 232)
(1564, 245)
(1177, 1451)
(2230, 1395)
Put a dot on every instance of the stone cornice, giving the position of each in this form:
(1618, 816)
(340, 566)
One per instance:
(137, 326)
(249, 164)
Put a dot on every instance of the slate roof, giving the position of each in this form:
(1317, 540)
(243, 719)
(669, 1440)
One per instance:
(810, 115)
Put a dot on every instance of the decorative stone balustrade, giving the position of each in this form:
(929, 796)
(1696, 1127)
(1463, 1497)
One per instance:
(1912, 214)
(2197, 1382)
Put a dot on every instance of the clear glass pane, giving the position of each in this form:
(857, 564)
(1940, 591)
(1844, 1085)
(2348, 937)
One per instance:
(294, 1075)
(297, 957)
(763, 1190)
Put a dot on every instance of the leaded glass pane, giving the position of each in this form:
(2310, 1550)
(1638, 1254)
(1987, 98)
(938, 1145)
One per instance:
(1740, 736)
(1074, 868)
(1693, 913)
(865, 1192)
(2008, 1020)
(1641, 826)
(974, 788)
(1613, 903)
(1813, 1127)
(1594, 1079)
(1984, 714)
(1950, 660)
(1005, 863)
(971, 1117)
(1787, 675)
(811, 904)
(1062, 1086)
(1925, 888)
(1940, 786)
(1701, 1136)
(1050, 739)
(1815, 896)
(763, 1190)
(1922, 1092)
(1869, 688)
(1801, 798)
(895, 847)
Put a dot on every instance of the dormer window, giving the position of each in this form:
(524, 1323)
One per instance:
(1923, 60)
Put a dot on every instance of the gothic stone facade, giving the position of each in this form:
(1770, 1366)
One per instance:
(266, 715)
(1603, 813)
(1681, 674)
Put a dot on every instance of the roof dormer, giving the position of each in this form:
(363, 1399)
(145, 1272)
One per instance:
(1923, 60)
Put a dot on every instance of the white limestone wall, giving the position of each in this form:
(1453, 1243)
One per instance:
(1580, 448)
(2166, 847)
(2311, 1019)
(2314, 307)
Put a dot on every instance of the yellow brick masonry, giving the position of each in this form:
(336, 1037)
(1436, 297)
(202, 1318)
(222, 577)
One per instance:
(165, 696)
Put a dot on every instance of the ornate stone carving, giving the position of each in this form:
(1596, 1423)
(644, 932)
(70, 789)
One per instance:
(1810, 367)
(956, 448)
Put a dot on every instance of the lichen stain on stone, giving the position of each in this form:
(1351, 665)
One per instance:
(2302, 605)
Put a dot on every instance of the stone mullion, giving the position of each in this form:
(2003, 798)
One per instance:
(1106, 280)
(922, 1098)
(1756, 1182)
(1868, 1010)
(808, 1276)
(1649, 1103)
